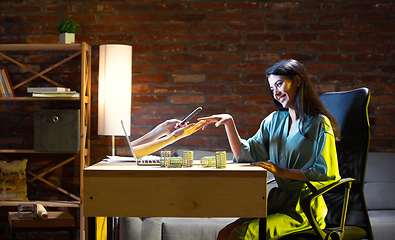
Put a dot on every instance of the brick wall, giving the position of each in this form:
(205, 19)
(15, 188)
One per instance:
(214, 54)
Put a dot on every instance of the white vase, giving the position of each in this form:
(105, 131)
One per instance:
(67, 38)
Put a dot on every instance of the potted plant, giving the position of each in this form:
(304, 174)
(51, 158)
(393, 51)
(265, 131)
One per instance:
(67, 29)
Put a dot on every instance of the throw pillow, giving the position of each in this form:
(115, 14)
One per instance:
(13, 180)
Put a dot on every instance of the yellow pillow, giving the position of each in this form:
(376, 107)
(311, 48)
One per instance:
(13, 180)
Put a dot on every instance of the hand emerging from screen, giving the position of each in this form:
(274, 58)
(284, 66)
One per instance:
(187, 131)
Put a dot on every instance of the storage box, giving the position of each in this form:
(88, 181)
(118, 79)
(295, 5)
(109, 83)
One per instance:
(57, 130)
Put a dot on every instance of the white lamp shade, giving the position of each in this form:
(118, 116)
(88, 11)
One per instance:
(115, 89)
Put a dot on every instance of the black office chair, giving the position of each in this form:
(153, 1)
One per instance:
(347, 213)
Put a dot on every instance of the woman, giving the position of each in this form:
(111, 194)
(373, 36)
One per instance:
(162, 135)
(296, 144)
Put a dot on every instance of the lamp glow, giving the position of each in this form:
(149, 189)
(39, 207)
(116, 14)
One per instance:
(115, 90)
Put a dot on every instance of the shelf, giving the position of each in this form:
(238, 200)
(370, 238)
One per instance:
(31, 151)
(39, 99)
(40, 47)
(75, 204)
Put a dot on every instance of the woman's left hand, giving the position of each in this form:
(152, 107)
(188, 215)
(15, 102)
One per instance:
(271, 167)
(172, 125)
(189, 130)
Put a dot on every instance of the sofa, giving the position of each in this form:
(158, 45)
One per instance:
(379, 181)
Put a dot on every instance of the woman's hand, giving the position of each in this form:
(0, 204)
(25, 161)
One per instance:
(277, 171)
(271, 167)
(187, 131)
(172, 125)
(218, 119)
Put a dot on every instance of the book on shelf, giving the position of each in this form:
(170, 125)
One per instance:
(5, 84)
(69, 94)
(47, 89)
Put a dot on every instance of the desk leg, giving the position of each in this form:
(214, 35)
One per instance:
(91, 228)
(262, 228)
(110, 228)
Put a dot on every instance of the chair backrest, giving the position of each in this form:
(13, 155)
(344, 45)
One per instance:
(350, 108)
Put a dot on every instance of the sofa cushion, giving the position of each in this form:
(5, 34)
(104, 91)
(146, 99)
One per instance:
(193, 228)
(383, 224)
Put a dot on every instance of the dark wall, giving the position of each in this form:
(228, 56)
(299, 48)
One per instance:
(214, 54)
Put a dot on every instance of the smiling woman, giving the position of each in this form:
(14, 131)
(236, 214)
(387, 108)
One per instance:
(296, 144)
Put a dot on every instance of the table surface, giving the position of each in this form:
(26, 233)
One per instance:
(125, 189)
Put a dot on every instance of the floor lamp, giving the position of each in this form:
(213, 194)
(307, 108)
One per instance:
(115, 90)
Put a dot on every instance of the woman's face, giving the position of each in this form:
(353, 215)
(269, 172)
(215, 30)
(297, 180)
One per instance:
(284, 89)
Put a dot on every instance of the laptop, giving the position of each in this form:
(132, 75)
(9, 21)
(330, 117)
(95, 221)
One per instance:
(147, 160)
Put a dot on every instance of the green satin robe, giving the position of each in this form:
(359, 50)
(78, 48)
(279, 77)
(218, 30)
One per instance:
(315, 154)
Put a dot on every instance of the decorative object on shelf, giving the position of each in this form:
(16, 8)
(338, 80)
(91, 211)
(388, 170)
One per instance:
(115, 90)
(67, 29)
(6, 88)
(13, 180)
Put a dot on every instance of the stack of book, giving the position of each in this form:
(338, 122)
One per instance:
(6, 89)
(52, 92)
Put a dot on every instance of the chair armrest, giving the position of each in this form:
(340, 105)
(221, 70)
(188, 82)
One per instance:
(306, 205)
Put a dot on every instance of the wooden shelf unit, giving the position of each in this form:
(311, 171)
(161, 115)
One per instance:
(79, 49)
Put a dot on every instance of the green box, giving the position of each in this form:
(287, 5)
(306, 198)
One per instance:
(57, 130)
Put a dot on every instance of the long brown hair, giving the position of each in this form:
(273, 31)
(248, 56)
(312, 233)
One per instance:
(307, 102)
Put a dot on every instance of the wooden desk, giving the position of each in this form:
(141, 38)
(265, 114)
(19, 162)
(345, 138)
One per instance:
(125, 190)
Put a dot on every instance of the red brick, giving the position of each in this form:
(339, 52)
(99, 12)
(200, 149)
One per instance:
(263, 37)
(29, 9)
(246, 89)
(135, 28)
(243, 6)
(176, 47)
(150, 58)
(115, 38)
(189, 37)
(207, 47)
(337, 17)
(116, 18)
(258, 99)
(100, 28)
(320, 47)
(375, 17)
(323, 27)
(150, 79)
(224, 99)
(356, 47)
(384, 131)
(337, 37)
(60, 8)
(154, 17)
(42, 19)
(299, 16)
(140, 110)
(247, 27)
(300, 37)
(376, 142)
(386, 28)
(140, 88)
(186, 99)
(152, 37)
(266, 57)
(142, 68)
(358, 67)
(208, 89)
(172, 27)
(188, 17)
(371, 58)
(173, 68)
(81, 18)
(282, 46)
(246, 110)
(386, 48)
(143, 99)
(318, 6)
(325, 67)
(248, 67)
(188, 78)
(256, 16)
(381, 121)
(385, 7)
(338, 79)
(226, 37)
(224, 78)
(245, 47)
(298, 56)
(387, 68)
(256, 78)
(208, 27)
(169, 110)
(188, 58)
(355, 6)
(281, 6)
(170, 7)
(379, 80)
(170, 89)
(360, 27)
(382, 100)
(207, 6)
(10, 19)
(42, 39)
(375, 38)
(232, 16)
(335, 58)
(20, 29)
(226, 57)
(210, 67)
(97, 7)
